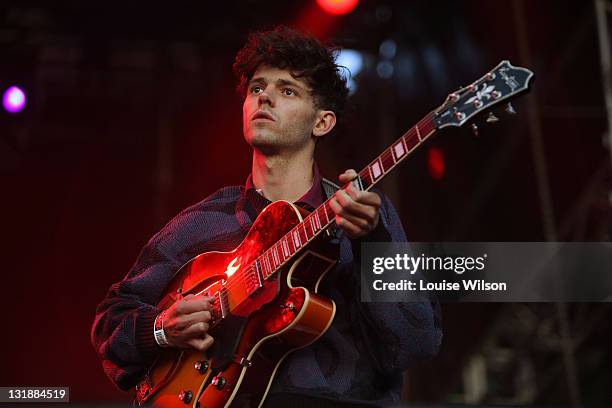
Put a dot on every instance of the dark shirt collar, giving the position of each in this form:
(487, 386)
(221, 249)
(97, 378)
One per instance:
(313, 197)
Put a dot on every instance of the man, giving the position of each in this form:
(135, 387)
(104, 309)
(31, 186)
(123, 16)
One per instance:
(293, 95)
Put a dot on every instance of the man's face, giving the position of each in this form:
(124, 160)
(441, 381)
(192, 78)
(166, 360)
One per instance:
(278, 113)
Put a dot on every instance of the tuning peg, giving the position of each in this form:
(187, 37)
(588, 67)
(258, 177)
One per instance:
(510, 109)
(492, 118)
(475, 129)
(454, 97)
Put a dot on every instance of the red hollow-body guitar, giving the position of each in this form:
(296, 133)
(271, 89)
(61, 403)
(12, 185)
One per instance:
(266, 302)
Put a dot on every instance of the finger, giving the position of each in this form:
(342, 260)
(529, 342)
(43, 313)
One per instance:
(196, 330)
(351, 229)
(341, 211)
(364, 197)
(191, 304)
(361, 223)
(200, 296)
(351, 208)
(347, 176)
(201, 344)
(205, 297)
(185, 321)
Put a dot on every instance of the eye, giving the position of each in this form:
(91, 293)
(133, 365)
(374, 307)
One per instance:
(255, 89)
(288, 92)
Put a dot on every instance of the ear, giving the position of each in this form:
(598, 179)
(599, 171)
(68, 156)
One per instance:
(325, 122)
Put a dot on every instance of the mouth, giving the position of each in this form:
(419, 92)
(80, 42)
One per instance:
(262, 115)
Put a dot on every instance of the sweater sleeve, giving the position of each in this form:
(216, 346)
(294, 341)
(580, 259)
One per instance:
(397, 335)
(122, 332)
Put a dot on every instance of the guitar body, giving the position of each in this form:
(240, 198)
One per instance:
(282, 315)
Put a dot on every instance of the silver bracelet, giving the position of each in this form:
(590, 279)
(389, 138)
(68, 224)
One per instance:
(158, 330)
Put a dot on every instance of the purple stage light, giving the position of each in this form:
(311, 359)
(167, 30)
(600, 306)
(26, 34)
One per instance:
(13, 99)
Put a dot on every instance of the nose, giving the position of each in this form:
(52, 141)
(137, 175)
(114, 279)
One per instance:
(263, 98)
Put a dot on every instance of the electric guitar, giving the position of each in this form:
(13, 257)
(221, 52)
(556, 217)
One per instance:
(265, 291)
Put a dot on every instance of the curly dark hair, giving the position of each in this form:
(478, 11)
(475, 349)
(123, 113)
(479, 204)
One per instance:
(303, 55)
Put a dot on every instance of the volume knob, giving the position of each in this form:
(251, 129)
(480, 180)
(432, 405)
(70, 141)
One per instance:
(185, 396)
(201, 366)
(219, 382)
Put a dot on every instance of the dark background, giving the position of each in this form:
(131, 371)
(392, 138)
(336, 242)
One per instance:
(132, 116)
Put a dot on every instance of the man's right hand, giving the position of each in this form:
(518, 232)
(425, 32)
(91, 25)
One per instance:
(186, 322)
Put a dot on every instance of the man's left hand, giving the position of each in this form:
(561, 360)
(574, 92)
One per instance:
(357, 212)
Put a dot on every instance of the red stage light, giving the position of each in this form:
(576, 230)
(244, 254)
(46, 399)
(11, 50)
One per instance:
(337, 7)
(435, 163)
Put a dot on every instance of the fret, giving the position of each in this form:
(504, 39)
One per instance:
(312, 224)
(285, 247)
(275, 259)
(290, 244)
(317, 219)
(270, 259)
(418, 133)
(266, 263)
(386, 161)
(399, 149)
(258, 270)
(366, 180)
(258, 279)
(297, 243)
(309, 232)
(262, 267)
(302, 232)
(411, 142)
(324, 208)
(278, 253)
(376, 170)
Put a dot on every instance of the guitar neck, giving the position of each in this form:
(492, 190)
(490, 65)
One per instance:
(321, 218)
(394, 154)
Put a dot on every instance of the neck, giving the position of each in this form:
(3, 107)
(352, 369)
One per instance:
(283, 178)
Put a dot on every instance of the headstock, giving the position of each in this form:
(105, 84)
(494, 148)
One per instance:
(502, 83)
